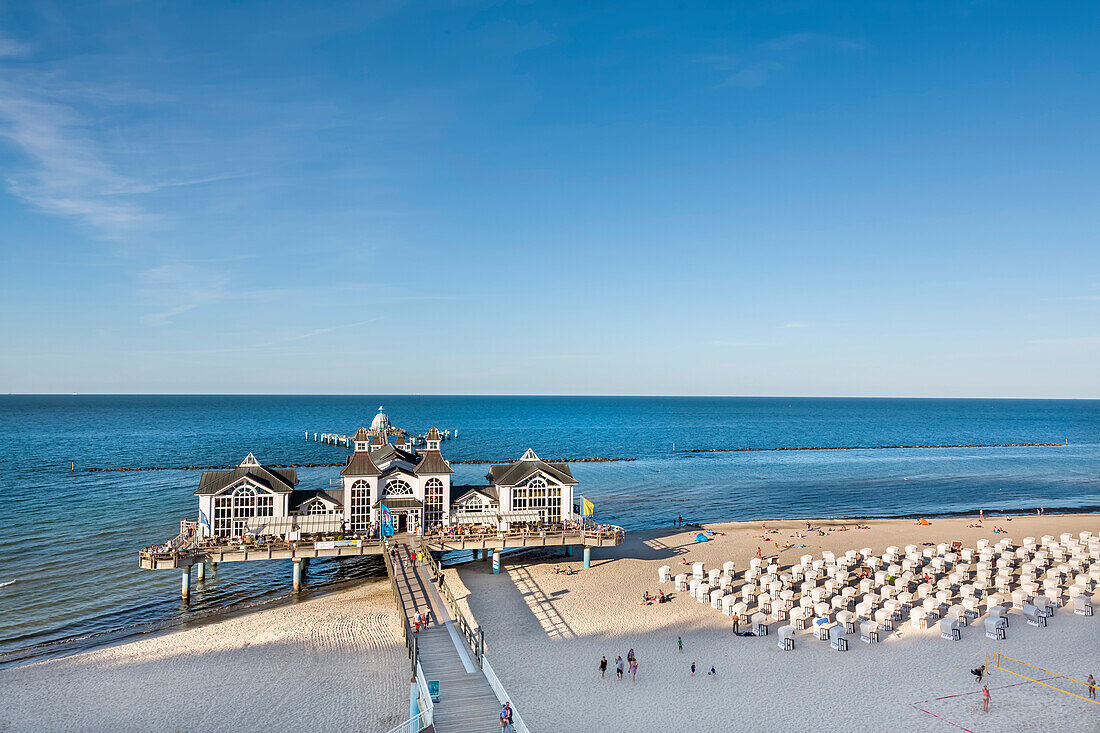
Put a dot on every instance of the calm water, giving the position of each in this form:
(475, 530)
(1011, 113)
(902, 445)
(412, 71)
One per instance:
(68, 563)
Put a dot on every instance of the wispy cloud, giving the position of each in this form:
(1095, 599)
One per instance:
(758, 64)
(1088, 297)
(179, 287)
(12, 49)
(795, 324)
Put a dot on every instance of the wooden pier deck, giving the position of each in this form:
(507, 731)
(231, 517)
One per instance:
(467, 702)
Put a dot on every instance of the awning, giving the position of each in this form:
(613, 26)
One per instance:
(399, 503)
(475, 518)
(527, 516)
(314, 524)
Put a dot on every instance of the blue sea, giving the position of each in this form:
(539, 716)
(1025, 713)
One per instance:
(68, 548)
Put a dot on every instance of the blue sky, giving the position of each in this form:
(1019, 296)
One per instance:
(784, 198)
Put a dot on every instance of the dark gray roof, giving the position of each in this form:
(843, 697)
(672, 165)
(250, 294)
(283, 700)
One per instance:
(301, 497)
(460, 492)
(433, 462)
(397, 468)
(362, 434)
(387, 452)
(360, 464)
(399, 502)
(517, 471)
(281, 481)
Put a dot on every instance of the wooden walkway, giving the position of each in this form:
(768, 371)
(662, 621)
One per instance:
(466, 701)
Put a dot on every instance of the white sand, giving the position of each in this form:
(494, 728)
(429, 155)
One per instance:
(545, 634)
(336, 663)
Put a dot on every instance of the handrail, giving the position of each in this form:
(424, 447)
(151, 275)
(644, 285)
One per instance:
(427, 707)
(502, 696)
(415, 724)
(475, 637)
(410, 638)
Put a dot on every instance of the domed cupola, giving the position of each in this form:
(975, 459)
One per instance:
(381, 422)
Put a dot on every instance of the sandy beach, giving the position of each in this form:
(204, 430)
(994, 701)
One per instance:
(546, 633)
(335, 663)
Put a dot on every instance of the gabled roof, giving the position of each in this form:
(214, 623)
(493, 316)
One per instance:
(517, 471)
(488, 492)
(360, 464)
(433, 462)
(362, 434)
(432, 434)
(389, 452)
(299, 498)
(398, 469)
(281, 481)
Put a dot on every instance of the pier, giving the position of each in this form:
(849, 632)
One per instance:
(183, 552)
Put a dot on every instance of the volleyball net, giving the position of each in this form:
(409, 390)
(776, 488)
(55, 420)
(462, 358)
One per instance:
(1042, 676)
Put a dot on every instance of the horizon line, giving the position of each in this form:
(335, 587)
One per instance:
(537, 394)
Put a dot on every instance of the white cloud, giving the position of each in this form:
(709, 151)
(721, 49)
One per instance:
(12, 49)
(754, 75)
(795, 324)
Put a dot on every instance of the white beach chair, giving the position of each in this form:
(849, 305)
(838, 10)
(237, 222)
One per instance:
(764, 602)
(918, 619)
(728, 567)
(697, 570)
(716, 596)
(786, 638)
(840, 640)
(740, 609)
(1082, 605)
(728, 602)
(994, 629)
(702, 592)
(1044, 606)
(1033, 617)
(847, 620)
(796, 617)
(664, 573)
(694, 584)
(949, 629)
(760, 624)
(821, 626)
(884, 619)
(714, 576)
(868, 632)
(682, 581)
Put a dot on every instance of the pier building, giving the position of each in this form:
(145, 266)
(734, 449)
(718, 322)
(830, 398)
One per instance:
(383, 470)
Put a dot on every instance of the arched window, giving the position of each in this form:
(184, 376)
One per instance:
(538, 495)
(433, 502)
(360, 506)
(318, 507)
(397, 487)
(244, 501)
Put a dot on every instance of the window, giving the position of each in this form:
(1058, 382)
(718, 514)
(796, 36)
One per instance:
(473, 505)
(318, 507)
(232, 512)
(538, 496)
(397, 487)
(360, 506)
(433, 502)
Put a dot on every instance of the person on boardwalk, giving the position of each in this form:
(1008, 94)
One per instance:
(680, 643)
(693, 669)
(1091, 682)
(416, 622)
(506, 718)
(424, 618)
(633, 669)
(619, 667)
(985, 698)
(603, 667)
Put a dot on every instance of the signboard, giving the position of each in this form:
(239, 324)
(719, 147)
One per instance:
(333, 544)
(433, 690)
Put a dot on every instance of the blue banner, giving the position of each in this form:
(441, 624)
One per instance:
(386, 527)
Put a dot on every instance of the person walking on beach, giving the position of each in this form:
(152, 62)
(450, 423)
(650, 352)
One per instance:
(712, 673)
(680, 643)
(1092, 687)
(633, 669)
(693, 669)
(603, 667)
(985, 698)
(979, 673)
(630, 656)
(680, 520)
(619, 667)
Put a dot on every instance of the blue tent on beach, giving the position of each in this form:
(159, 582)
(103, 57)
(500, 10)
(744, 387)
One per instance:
(702, 538)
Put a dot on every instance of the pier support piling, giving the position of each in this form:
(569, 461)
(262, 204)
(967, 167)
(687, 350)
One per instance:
(201, 572)
(185, 588)
(569, 550)
(496, 561)
(475, 553)
(297, 574)
(587, 557)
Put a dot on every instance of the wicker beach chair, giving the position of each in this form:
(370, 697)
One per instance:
(786, 638)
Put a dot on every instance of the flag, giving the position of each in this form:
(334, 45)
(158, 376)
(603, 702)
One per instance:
(387, 522)
(586, 507)
(203, 519)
